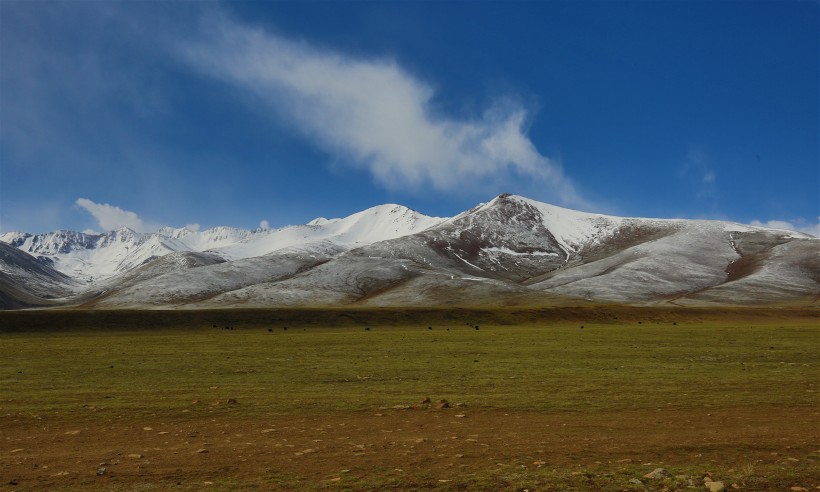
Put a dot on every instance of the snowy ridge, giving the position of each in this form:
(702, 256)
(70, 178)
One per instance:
(508, 251)
(92, 257)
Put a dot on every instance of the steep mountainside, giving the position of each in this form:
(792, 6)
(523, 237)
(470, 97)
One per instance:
(508, 251)
(26, 281)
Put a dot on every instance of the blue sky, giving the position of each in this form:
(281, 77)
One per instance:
(149, 113)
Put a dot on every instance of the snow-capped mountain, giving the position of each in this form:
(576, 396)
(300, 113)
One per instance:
(509, 251)
(90, 258)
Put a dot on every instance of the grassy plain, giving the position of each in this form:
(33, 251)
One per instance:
(588, 400)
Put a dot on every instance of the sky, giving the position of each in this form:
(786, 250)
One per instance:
(265, 114)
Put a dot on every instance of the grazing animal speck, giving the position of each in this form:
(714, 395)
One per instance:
(476, 327)
(270, 330)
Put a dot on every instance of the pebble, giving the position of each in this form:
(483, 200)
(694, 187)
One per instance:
(715, 486)
(658, 474)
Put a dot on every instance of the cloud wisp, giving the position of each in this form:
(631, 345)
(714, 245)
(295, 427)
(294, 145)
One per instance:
(376, 114)
(110, 217)
(799, 225)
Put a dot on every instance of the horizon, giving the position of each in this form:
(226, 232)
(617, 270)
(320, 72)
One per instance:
(263, 115)
(110, 212)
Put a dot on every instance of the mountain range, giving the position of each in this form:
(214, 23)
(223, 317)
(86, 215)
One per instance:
(510, 251)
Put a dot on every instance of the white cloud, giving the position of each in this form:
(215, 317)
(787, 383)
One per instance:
(110, 217)
(193, 227)
(264, 225)
(376, 114)
(799, 225)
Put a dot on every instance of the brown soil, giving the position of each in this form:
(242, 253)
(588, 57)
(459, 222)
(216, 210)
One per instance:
(189, 451)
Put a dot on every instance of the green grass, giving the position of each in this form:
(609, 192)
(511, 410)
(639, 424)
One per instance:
(539, 367)
(108, 374)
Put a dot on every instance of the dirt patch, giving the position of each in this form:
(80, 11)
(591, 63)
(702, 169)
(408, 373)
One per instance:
(447, 444)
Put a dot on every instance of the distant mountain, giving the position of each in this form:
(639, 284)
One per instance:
(97, 257)
(508, 251)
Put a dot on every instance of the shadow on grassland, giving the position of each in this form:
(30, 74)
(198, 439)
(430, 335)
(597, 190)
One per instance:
(57, 320)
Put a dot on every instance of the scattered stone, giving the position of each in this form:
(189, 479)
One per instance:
(461, 404)
(265, 431)
(460, 415)
(459, 455)
(658, 474)
(539, 463)
(232, 401)
(202, 451)
(162, 433)
(442, 404)
(426, 399)
(636, 482)
(72, 433)
(101, 471)
(798, 489)
(135, 456)
(17, 450)
(147, 428)
(715, 486)
(401, 407)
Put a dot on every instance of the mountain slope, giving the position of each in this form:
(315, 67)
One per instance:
(91, 258)
(26, 281)
(508, 251)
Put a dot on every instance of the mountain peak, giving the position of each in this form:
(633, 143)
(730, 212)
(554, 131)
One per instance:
(318, 221)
